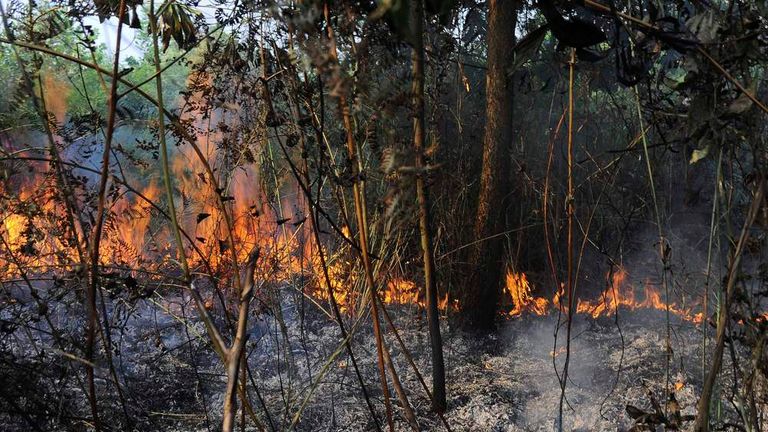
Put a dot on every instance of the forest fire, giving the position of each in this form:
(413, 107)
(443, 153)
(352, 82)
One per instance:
(227, 217)
(291, 253)
(290, 249)
(519, 290)
(137, 235)
(620, 293)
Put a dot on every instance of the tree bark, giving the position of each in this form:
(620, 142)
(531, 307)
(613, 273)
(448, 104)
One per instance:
(481, 293)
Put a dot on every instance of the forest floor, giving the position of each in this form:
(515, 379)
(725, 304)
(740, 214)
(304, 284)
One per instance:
(507, 381)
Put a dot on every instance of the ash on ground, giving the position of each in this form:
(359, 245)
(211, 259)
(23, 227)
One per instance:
(301, 377)
(508, 381)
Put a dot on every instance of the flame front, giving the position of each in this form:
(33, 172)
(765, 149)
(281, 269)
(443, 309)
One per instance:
(620, 293)
(38, 243)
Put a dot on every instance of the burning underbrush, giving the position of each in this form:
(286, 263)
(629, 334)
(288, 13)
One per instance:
(46, 232)
(41, 245)
(620, 293)
(156, 368)
(298, 371)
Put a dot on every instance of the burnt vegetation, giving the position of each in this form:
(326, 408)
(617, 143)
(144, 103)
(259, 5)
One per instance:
(383, 215)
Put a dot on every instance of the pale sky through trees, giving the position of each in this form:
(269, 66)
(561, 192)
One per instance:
(107, 35)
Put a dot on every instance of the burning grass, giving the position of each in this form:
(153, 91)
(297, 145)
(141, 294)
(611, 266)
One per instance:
(619, 294)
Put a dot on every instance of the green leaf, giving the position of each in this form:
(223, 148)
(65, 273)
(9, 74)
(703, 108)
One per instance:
(675, 77)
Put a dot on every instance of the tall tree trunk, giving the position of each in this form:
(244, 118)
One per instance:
(436, 341)
(481, 293)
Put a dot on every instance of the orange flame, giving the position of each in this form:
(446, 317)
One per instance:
(619, 294)
(519, 290)
(287, 248)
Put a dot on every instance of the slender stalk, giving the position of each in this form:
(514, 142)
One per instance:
(314, 219)
(100, 213)
(276, 297)
(702, 417)
(663, 254)
(569, 202)
(409, 414)
(415, 368)
(422, 194)
(712, 230)
(358, 192)
(231, 356)
(545, 210)
(105, 328)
